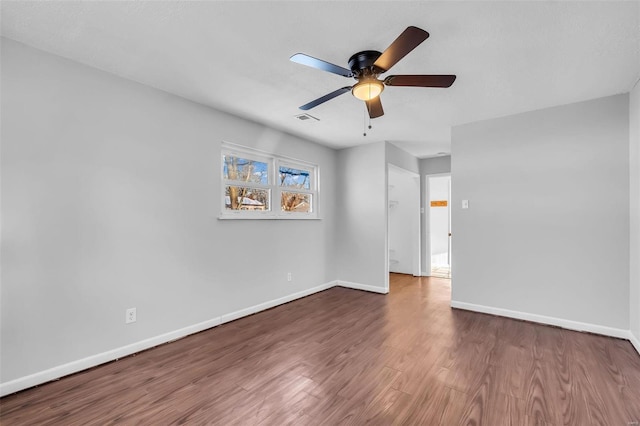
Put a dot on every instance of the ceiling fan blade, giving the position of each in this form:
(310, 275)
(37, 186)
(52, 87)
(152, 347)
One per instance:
(325, 98)
(374, 106)
(312, 62)
(405, 43)
(420, 80)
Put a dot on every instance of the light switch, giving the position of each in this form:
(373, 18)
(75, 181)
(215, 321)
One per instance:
(465, 204)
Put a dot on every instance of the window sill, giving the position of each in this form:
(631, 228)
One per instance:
(265, 217)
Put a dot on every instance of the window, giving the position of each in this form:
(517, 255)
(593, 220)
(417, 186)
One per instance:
(295, 183)
(257, 185)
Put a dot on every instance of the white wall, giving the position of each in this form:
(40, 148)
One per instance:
(361, 200)
(634, 211)
(110, 197)
(546, 235)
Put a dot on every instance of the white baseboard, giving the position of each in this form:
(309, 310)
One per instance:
(559, 322)
(273, 303)
(635, 341)
(101, 358)
(114, 354)
(365, 287)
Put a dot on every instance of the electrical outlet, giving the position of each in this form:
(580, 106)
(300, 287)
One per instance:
(130, 316)
(289, 276)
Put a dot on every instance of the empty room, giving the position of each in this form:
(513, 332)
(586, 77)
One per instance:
(317, 212)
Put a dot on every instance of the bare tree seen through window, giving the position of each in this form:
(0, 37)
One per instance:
(249, 171)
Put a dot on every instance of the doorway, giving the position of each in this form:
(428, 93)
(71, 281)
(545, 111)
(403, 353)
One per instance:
(403, 237)
(439, 223)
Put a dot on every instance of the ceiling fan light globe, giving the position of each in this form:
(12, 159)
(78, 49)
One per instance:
(366, 90)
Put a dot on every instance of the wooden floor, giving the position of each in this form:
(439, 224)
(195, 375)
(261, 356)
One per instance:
(350, 357)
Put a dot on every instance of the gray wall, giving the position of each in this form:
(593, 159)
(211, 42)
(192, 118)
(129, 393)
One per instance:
(110, 197)
(634, 198)
(362, 209)
(435, 165)
(547, 229)
(401, 158)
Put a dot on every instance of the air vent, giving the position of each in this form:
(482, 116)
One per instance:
(306, 117)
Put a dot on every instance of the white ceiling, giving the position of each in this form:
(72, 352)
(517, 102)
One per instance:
(509, 57)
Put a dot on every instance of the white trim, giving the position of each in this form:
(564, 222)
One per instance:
(365, 287)
(387, 258)
(265, 217)
(559, 322)
(634, 341)
(101, 358)
(273, 303)
(123, 351)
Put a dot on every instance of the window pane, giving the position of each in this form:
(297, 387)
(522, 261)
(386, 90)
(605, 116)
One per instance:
(295, 202)
(294, 178)
(245, 169)
(243, 198)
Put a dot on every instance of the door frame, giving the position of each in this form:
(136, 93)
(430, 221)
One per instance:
(416, 255)
(426, 222)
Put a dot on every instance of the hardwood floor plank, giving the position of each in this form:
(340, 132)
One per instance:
(434, 403)
(540, 403)
(384, 408)
(511, 371)
(350, 357)
(415, 377)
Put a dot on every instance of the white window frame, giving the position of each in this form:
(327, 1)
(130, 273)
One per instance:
(273, 186)
(312, 191)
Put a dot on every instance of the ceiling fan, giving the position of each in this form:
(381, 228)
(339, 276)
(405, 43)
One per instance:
(366, 67)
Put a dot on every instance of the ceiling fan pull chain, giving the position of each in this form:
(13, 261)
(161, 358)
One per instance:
(364, 121)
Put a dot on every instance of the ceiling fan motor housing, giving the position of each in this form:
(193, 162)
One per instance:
(361, 63)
